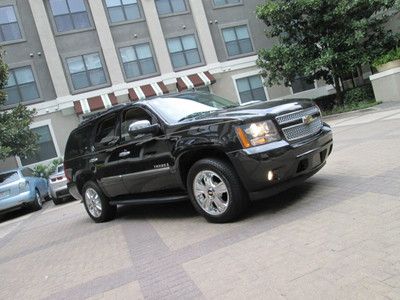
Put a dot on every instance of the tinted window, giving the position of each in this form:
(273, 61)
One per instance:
(69, 15)
(123, 10)
(137, 60)
(183, 51)
(237, 40)
(106, 132)
(251, 88)
(8, 177)
(79, 142)
(60, 168)
(302, 84)
(170, 6)
(21, 86)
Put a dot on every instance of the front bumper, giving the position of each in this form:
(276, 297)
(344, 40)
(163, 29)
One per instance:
(290, 163)
(17, 200)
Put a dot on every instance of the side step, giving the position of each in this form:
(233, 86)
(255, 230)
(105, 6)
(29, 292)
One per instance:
(149, 200)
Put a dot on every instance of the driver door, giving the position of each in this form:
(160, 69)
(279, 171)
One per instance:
(146, 158)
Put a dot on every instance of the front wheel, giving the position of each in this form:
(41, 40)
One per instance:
(216, 191)
(96, 203)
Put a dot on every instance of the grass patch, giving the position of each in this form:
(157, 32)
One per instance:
(350, 106)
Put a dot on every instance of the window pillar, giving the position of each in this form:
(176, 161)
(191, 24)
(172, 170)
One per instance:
(203, 31)
(107, 43)
(49, 48)
(157, 37)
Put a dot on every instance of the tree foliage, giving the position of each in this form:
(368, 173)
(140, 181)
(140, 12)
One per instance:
(15, 136)
(324, 39)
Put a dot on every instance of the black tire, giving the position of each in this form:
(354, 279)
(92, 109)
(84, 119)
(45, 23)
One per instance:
(238, 198)
(37, 204)
(108, 212)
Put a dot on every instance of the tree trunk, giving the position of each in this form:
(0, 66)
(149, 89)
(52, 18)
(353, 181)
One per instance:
(338, 88)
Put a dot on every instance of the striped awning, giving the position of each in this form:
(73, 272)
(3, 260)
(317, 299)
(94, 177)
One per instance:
(147, 91)
(195, 80)
(93, 104)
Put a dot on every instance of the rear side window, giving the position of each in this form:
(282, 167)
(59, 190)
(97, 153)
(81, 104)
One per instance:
(8, 177)
(79, 142)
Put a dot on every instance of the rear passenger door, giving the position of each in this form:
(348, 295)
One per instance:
(104, 162)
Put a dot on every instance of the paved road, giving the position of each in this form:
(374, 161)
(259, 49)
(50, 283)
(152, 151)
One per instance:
(336, 236)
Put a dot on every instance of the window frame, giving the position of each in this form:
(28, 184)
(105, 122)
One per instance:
(136, 43)
(21, 29)
(38, 124)
(111, 24)
(74, 91)
(247, 75)
(199, 49)
(35, 76)
(234, 25)
(226, 5)
(60, 33)
(187, 11)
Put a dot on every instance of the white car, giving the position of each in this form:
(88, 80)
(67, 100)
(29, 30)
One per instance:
(58, 189)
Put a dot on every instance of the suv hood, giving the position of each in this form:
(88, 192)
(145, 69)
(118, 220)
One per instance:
(259, 109)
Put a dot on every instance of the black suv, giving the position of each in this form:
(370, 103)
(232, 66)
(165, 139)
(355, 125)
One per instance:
(199, 145)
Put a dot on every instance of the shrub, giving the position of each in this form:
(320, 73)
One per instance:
(45, 171)
(387, 57)
(325, 102)
(357, 94)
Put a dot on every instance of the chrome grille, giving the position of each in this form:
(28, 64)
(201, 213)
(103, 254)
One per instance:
(301, 129)
(297, 115)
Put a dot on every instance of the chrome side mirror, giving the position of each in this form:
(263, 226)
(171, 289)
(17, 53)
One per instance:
(142, 127)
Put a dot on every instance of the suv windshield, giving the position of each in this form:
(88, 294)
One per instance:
(8, 177)
(180, 108)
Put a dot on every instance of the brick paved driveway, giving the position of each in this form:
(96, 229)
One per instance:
(337, 236)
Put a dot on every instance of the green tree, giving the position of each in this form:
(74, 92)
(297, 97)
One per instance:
(324, 39)
(15, 136)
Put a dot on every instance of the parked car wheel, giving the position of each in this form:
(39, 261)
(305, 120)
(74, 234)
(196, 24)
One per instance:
(96, 203)
(216, 191)
(37, 204)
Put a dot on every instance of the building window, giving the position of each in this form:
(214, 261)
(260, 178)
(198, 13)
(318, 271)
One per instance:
(251, 89)
(21, 86)
(45, 147)
(86, 71)
(70, 15)
(165, 7)
(9, 28)
(123, 10)
(237, 40)
(183, 51)
(137, 60)
(226, 2)
(301, 84)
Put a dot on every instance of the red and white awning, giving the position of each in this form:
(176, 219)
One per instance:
(92, 104)
(148, 90)
(195, 80)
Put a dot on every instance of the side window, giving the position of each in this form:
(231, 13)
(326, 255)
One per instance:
(106, 132)
(79, 142)
(130, 116)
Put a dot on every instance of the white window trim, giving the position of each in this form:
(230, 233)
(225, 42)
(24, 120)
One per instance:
(245, 75)
(53, 137)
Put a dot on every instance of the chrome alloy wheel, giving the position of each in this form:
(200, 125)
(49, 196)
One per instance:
(93, 202)
(39, 199)
(211, 192)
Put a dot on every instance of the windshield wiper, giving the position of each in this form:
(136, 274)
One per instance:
(197, 114)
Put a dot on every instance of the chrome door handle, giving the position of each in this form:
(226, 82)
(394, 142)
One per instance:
(124, 153)
(93, 160)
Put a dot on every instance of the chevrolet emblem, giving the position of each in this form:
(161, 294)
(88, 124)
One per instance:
(307, 120)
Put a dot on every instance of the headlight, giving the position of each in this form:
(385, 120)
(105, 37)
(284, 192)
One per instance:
(255, 134)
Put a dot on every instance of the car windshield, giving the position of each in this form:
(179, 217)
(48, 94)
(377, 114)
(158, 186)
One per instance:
(60, 168)
(8, 177)
(186, 107)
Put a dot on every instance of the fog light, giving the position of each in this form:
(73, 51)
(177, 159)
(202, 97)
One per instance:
(270, 176)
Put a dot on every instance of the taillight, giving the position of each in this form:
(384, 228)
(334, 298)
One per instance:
(68, 173)
(53, 179)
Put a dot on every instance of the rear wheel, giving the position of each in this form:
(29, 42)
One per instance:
(216, 191)
(37, 204)
(96, 203)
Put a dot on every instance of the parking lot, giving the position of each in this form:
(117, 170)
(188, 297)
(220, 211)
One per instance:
(335, 236)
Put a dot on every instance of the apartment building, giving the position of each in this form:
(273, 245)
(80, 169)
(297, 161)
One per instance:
(72, 58)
